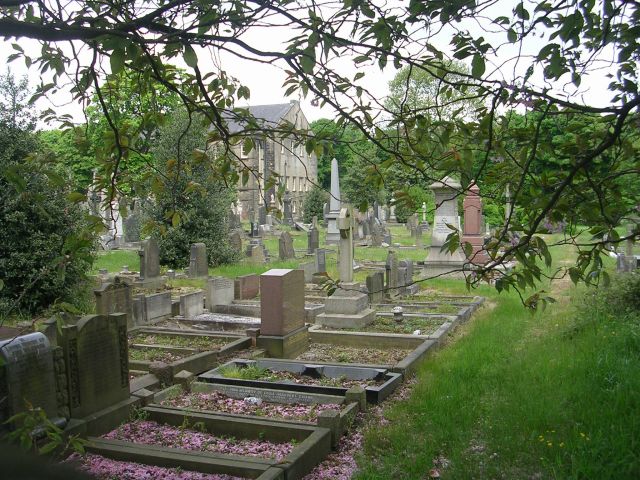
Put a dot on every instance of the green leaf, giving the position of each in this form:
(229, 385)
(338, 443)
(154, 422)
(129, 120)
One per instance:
(175, 220)
(76, 197)
(117, 60)
(477, 66)
(190, 57)
(1, 284)
(308, 60)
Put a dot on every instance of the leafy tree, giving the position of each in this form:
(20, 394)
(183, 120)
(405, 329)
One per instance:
(565, 43)
(68, 148)
(191, 205)
(313, 204)
(45, 252)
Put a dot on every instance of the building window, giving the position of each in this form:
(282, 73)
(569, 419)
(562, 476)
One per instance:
(294, 184)
(243, 154)
(282, 148)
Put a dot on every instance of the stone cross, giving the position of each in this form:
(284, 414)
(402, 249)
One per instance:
(345, 226)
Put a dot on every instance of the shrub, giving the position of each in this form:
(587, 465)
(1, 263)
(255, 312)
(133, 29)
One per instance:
(313, 204)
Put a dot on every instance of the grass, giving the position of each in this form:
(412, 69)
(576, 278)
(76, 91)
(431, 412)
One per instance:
(551, 395)
(114, 260)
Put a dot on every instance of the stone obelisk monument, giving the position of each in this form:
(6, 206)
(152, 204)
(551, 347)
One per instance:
(333, 234)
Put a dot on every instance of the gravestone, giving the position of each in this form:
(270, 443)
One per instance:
(191, 304)
(149, 263)
(321, 260)
(198, 263)
(348, 307)
(309, 268)
(262, 216)
(418, 236)
(402, 279)
(287, 210)
(472, 232)
(376, 235)
(131, 226)
(256, 254)
(220, 291)
(391, 271)
(375, 287)
(313, 239)
(114, 297)
(444, 263)
(361, 234)
(27, 374)
(386, 238)
(333, 235)
(96, 354)
(235, 240)
(246, 286)
(151, 308)
(285, 246)
(282, 330)
(366, 229)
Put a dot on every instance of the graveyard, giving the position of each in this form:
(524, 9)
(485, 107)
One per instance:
(294, 240)
(250, 370)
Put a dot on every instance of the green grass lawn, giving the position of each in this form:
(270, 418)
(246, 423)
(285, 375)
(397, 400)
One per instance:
(520, 396)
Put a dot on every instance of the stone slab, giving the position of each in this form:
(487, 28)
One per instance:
(192, 304)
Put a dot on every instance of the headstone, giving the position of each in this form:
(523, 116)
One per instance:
(114, 297)
(191, 304)
(386, 238)
(246, 287)
(419, 236)
(321, 260)
(270, 220)
(366, 230)
(97, 359)
(314, 222)
(472, 233)
(198, 263)
(282, 330)
(424, 211)
(345, 260)
(220, 291)
(149, 261)
(262, 216)
(287, 209)
(391, 270)
(333, 235)
(256, 254)
(27, 375)
(285, 246)
(375, 287)
(131, 226)
(309, 268)
(361, 234)
(440, 263)
(157, 306)
(313, 239)
(235, 240)
(376, 235)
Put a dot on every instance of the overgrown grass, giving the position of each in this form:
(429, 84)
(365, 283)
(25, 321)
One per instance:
(114, 260)
(555, 395)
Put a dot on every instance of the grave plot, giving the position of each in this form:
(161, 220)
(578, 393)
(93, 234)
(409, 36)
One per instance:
(194, 352)
(212, 444)
(212, 322)
(334, 412)
(430, 308)
(307, 378)
(407, 325)
(335, 353)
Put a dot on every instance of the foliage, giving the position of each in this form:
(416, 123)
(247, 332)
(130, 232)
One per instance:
(620, 298)
(33, 423)
(45, 248)
(567, 46)
(191, 204)
(69, 153)
(313, 204)
(412, 203)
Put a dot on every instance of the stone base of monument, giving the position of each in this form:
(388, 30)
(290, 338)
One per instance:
(148, 283)
(478, 255)
(285, 346)
(443, 264)
(348, 307)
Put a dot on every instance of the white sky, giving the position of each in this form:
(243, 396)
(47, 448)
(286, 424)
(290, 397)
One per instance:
(265, 81)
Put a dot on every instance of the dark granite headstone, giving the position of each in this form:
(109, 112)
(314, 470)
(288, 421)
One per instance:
(198, 263)
(149, 260)
(321, 260)
(26, 375)
(313, 240)
(285, 246)
(96, 355)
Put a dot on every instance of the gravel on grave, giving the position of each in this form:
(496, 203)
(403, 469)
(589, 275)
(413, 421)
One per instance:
(201, 343)
(156, 355)
(223, 317)
(152, 433)
(103, 468)
(408, 325)
(219, 402)
(323, 381)
(322, 352)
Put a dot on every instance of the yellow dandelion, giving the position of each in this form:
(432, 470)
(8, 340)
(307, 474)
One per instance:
(549, 444)
(561, 444)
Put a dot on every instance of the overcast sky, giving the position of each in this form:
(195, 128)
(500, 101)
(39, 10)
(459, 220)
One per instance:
(265, 81)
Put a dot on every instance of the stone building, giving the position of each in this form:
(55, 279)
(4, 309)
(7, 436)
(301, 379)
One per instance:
(286, 156)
